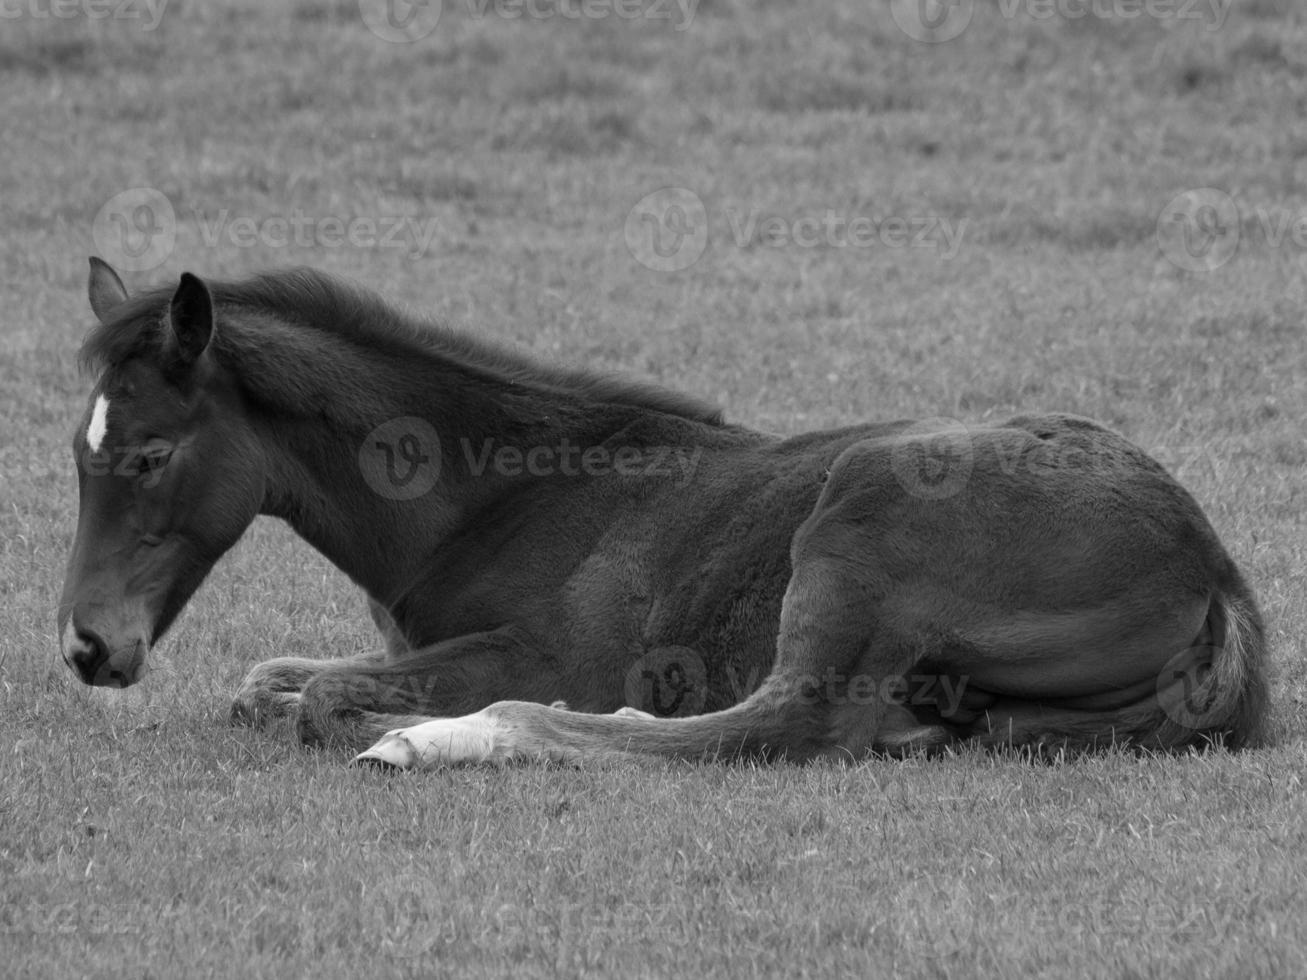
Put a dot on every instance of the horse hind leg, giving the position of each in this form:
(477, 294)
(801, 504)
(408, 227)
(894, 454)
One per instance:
(1213, 691)
(901, 733)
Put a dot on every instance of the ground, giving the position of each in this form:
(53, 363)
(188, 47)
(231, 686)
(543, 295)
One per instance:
(846, 223)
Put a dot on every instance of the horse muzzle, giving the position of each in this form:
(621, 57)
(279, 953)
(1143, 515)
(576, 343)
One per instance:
(97, 661)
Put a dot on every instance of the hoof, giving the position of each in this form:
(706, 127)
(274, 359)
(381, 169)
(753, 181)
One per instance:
(629, 712)
(392, 752)
(365, 761)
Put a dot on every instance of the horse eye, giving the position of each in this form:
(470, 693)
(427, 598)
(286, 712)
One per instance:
(153, 457)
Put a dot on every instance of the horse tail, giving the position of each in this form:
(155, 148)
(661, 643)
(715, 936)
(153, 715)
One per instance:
(1212, 692)
(1229, 704)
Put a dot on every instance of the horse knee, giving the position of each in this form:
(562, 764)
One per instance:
(280, 674)
(259, 706)
(271, 690)
(336, 691)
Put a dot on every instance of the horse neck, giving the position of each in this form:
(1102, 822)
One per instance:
(327, 477)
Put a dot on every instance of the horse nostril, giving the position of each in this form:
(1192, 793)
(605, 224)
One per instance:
(86, 653)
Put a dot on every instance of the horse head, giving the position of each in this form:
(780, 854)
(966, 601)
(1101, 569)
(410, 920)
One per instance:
(169, 475)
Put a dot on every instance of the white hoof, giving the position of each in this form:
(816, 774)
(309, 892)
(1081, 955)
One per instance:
(392, 749)
(439, 742)
(629, 712)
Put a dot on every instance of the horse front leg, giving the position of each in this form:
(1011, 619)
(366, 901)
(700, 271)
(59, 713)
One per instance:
(350, 705)
(272, 689)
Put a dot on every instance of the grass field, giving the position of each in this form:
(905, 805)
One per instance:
(846, 223)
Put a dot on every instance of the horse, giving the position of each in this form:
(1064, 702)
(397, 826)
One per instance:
(566, 565)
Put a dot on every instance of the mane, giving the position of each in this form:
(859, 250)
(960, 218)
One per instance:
(291, 333)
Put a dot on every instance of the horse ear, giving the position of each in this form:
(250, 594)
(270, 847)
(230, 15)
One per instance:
(105, 289)
(190, 315)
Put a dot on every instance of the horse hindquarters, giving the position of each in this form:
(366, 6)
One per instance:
(1069, 590)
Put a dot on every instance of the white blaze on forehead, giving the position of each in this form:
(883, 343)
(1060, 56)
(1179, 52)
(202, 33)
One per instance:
(99, 423)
